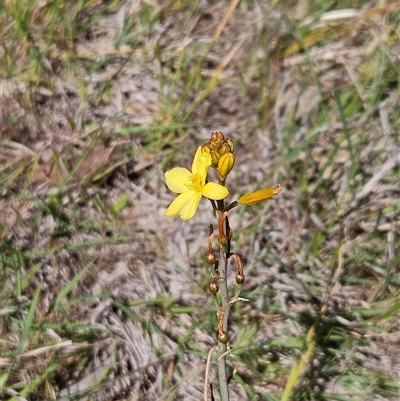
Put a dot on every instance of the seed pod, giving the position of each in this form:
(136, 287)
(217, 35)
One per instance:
(223, 337)
(240, 278)
(213, 287)
(210, 259)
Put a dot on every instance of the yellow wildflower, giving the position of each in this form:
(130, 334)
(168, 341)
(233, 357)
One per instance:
(192, 186)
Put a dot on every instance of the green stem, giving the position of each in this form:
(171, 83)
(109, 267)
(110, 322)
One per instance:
(222, 348)
(223, 286)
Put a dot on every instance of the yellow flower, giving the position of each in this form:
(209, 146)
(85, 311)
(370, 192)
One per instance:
(192, 186)
(259, 196)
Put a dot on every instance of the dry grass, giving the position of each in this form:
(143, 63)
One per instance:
(103, 298)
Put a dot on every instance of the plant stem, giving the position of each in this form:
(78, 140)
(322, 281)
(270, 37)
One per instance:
(223, 380)
(223, 285)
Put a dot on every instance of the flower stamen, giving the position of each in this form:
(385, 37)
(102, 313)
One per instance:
(195, 183)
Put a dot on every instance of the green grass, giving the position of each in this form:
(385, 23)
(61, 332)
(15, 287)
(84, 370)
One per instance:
(102, 296)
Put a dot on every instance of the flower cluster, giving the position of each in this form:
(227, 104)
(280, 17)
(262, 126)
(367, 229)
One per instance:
(217, 153)
(222, 155)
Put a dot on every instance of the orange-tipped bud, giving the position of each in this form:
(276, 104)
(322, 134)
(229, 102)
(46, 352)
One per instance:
(225, 165)
(217, 139)
(259, 196)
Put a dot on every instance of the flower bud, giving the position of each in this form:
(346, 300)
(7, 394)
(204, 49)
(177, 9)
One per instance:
(217, 139)
(213, 145)
(231, 144)
(225, 148)
(225, 164)
(259, 196)
(215, 156)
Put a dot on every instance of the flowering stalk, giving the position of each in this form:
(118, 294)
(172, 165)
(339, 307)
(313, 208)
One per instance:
(217, 153)
(223, 314)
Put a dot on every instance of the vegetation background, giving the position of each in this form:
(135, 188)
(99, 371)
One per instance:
(103, 298)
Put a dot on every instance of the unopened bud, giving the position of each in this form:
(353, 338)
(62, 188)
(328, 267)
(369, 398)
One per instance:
(215, 156)
(225, 148)
(217, 136)
(231, 144)
(225, 164)
(259, 196)
(217, 139)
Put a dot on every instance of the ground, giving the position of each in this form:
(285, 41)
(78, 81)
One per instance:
(104, 298)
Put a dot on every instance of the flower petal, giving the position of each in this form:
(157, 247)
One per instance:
(176, 179)
(196, 157)
(201, 163)
(175, 207)
(189, 209)
(259, 196)
(215, 191)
